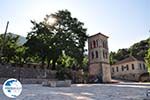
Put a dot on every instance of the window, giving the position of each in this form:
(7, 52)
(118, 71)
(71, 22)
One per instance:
(94, 44)
(140, 65)
(122, 67)
(34, 66)
(103, 44)
(117, 69)
(96, 54)
(127, 67)
(132, 66)
(92, 55)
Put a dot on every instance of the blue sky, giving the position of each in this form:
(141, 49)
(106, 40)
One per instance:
(124, 21)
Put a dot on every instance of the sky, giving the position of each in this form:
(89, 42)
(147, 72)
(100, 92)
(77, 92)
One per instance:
(125, 22)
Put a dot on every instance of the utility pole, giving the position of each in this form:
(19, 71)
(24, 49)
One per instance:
(3, 40)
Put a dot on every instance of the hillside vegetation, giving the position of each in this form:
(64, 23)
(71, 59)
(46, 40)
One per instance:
(139, 49)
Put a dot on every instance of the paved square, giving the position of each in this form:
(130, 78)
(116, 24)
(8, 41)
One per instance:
(124, 91)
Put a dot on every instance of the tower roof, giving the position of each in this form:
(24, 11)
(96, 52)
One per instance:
(98, 34)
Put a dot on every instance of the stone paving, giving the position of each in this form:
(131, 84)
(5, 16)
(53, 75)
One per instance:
(122, 91)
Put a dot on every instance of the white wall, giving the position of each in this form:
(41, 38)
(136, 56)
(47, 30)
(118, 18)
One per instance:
(131, 74)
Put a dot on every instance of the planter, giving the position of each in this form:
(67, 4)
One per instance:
(65, 83)
(49, 83)
(68, 82)
(53, 83)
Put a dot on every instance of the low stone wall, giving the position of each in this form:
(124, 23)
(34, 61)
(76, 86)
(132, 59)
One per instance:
(26, 80)
(25, 73)
(131, 77)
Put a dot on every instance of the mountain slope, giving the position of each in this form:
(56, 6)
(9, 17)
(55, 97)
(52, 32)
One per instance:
(21, 39)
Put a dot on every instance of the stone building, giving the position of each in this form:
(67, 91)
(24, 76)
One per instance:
(99, 57)
(130, 68)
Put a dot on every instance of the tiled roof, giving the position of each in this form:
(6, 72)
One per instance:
(129, 59)
(99, 34)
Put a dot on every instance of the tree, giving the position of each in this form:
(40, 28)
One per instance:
(140, 49)
(50, 41)
(21, 55)
(85, 62)
(70, 36)
(38, 40)
(9, 47)
(148, 60)
(119, 55)
(112, 59)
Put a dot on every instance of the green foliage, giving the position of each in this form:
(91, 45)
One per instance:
(147, 58)
(140, 49)
(67, 61)
(112, 58)
(8, 47)
(38, 41)
(121, 54)
(20, 56)
(63, 73)
(85, 63)
(51, 41)
(11, 49)
(137, 50)
(58, 44)
(70, 35)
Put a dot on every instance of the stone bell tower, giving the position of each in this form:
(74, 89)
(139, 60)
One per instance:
(98, 56)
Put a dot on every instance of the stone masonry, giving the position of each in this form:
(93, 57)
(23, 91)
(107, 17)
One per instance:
(99, 57)
(27, 73)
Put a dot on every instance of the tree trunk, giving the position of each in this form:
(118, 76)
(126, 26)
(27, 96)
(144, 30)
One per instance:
(53, 65)
(48, 66)
(43, 59)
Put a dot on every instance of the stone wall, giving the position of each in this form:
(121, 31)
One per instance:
(25, 73)
(129, 73)
(100, 70)
(98, 55)
(106, 73)
(94, 69)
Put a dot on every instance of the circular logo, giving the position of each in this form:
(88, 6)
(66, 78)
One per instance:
(12, 88)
